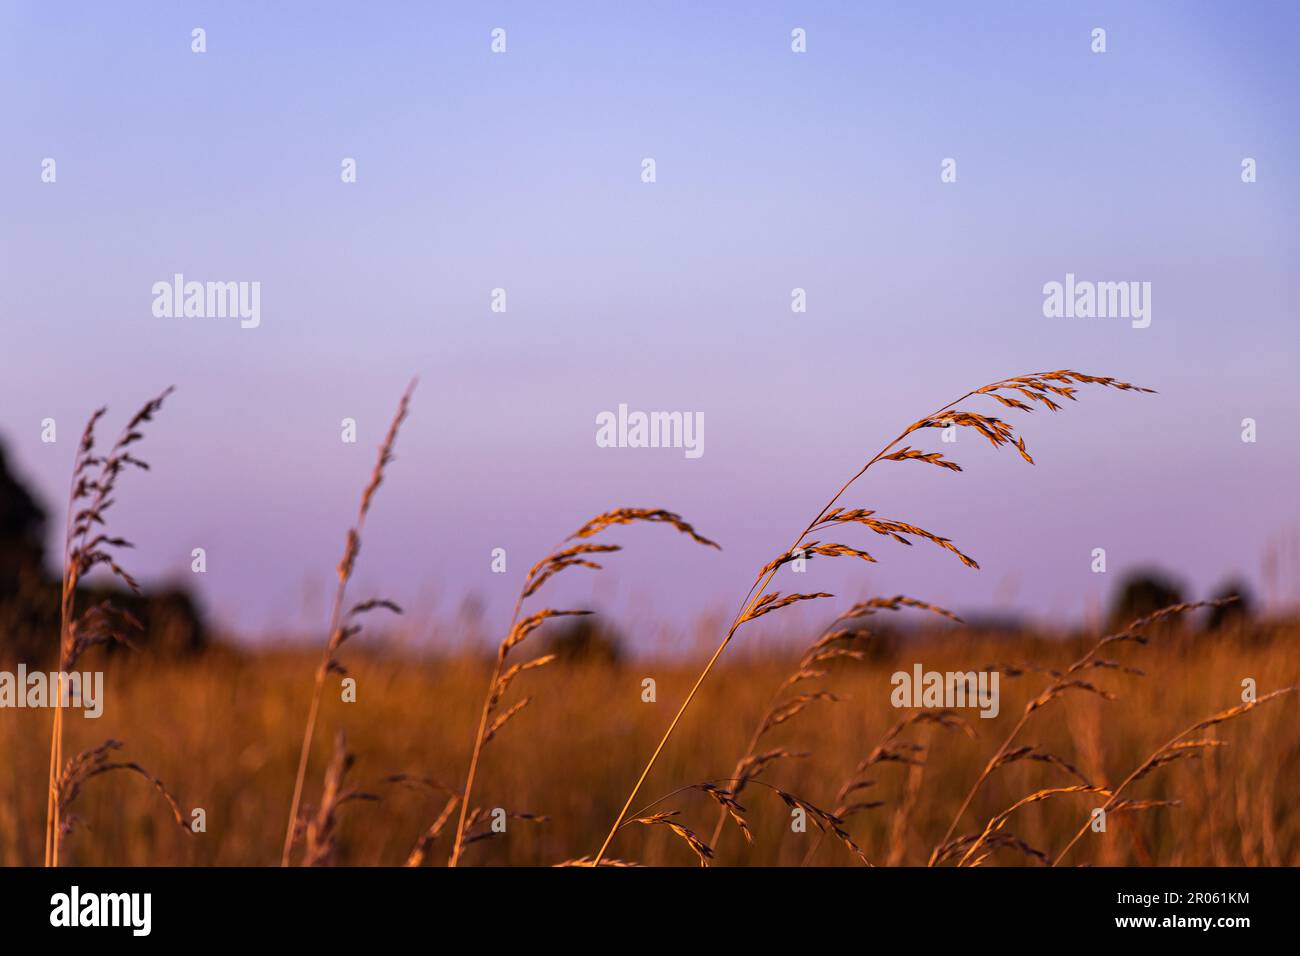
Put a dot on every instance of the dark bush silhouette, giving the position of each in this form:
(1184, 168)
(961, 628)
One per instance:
(585, 639)
(1237, 612)
(1143, 592)
(22, 532)
(29, 591)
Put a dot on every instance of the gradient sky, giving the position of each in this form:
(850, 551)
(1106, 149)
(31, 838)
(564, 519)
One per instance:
(775, 170)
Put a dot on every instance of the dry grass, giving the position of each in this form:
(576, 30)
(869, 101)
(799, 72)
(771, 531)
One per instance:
(87, 545)
(1062, 682)
(1022, 393)
(341, 628)
(228, 716)
(491, 717)
(221, 731)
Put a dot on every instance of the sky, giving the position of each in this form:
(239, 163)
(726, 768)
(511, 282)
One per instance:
(774, 171)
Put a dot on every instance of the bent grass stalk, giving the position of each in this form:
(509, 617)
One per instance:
(834, 643)
(561, 558)
(1011, 393)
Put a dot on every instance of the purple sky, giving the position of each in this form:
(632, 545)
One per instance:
(775, 170)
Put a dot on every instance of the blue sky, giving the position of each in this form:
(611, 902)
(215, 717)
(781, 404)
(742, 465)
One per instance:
(775, 170)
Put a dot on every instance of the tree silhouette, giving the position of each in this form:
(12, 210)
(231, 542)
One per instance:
(1141, 593)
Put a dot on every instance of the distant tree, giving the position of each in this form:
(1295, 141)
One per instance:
(585, 639)
(1237, 612)
(1143, 592)
(22, 532)
(171, 620)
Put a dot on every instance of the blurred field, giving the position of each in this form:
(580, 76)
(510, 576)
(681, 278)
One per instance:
(223, 729)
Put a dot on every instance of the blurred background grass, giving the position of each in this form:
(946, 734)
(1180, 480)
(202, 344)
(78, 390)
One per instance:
(222, 729)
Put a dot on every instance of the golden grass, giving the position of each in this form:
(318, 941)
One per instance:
(1039, 388)
(569, 763)
(341, 628)
(221, 731)
(560, 559)
(87, 545)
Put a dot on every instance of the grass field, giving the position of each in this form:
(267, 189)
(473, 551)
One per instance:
(1108, 749)
(222, 731)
